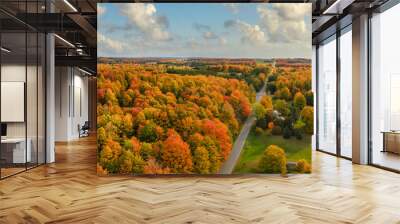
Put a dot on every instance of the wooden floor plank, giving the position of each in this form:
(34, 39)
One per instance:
(69, 191)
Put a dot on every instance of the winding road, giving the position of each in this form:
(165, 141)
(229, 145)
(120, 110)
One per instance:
(230, 163)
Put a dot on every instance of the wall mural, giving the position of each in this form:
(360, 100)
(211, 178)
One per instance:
(204, 88)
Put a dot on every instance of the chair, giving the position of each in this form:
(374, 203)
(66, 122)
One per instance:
(84, 130)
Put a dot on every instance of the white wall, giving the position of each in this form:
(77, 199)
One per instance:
(62, 81)
(33, 127)
(14, 72)
(80, 115)
(71, 94)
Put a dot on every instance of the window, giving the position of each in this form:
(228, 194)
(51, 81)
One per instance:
(385, 89)
(327, 96)
(22, 77)
(346, 93)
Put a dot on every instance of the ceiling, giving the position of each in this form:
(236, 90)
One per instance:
(332, 15)
(75, 21)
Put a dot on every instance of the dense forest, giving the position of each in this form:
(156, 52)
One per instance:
(288, 107)
(172, 117)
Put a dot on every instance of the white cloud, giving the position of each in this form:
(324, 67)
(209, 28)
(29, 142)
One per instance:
(292, 11)
(107, 43)
(285, 22)
(222, 41)
(144, 17)
(100, 10)
(232, 7)
(250, 34)
(209, 35)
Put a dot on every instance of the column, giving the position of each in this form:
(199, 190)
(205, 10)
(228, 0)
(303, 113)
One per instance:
(360, 90)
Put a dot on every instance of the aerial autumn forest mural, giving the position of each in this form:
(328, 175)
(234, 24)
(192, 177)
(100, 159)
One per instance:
(202, 95)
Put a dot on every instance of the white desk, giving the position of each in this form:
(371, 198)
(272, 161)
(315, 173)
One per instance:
(18, 144)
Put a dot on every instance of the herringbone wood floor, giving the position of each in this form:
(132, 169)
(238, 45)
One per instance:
(70, 192)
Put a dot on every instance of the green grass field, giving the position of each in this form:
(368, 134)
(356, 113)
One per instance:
(256, 144)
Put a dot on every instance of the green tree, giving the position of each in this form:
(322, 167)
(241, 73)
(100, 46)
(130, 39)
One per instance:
(298, 128)
(284, 93)
(282, 107)
(286, 133)
(146, 151)
(307, 116)
(148, 133)
(273, 160)
(299, 100)
(130, 163)
(271, 88)
(101, 136)
(259, 111)
(309, 98)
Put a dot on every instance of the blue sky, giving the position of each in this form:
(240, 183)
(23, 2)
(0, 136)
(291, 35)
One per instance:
(250, 30)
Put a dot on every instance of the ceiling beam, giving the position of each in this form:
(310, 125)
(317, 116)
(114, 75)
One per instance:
(77, 61)
(84, 24)
(337, 7)
(49, 22)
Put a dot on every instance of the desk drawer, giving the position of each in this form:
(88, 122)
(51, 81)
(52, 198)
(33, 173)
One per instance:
(15, 153)
(392, 143)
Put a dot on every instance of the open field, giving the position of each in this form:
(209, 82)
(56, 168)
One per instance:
(256, 144)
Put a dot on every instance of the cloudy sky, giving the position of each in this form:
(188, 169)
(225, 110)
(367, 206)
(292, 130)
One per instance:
(256, 30)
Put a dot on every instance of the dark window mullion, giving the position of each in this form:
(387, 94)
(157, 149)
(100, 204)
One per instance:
(37, 91)
(369, 90)
(26, 86)
(317, 96)
(338, 76)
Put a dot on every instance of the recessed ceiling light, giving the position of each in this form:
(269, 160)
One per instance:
(64, 40)
(70, 5)
(337, 7)
(86, 72)
(5, 50)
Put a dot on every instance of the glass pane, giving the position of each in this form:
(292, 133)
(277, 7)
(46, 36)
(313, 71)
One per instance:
(22, 88)
(346, 94)
(385, 89)
(327, 97)
(13, 86)
(41, 98)
(31, 98)
(314, 79)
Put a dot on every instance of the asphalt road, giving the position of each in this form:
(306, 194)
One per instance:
(230, 163)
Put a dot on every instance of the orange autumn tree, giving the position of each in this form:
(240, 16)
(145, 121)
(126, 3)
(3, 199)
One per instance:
(110, 156)
(176, 153)
(218, 131)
